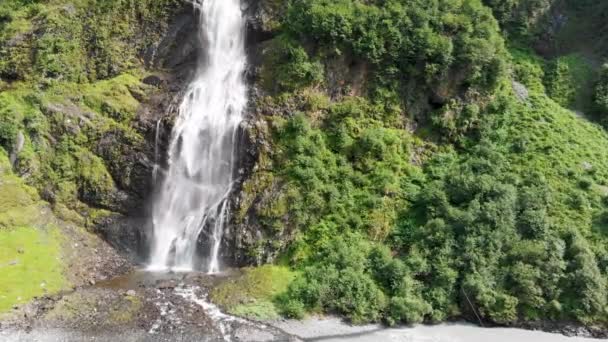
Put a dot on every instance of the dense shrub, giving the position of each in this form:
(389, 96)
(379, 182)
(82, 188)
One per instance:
(600, 96)
(83, 40)
(427, 38)
(568, 80)
(289, 67)
(421, 55)
(492, 228)
(519, 16)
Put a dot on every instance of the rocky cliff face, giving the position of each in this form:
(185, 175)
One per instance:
(171, 63)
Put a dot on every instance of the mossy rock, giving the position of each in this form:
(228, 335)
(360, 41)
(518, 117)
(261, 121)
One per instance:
(253, 293)
(114, 97)
(101, 305)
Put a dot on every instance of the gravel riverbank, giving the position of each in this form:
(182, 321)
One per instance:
(159, 307)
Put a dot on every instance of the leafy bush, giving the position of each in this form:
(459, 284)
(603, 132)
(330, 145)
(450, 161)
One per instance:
(339, 282)
(489, 228)
(400, 36)
(600, 96)
(288, 67)
(519, 16)
(568, 79)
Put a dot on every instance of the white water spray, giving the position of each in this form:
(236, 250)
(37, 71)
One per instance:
(194, 192)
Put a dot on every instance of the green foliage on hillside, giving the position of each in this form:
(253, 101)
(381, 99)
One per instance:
(600, 96)
(425, 39)
(519, 17)
(79, 40)
(30, 265)
(70, 87)
(490, 201)
(569, 81)
(60, 129)
(515, 222)
(423, 54)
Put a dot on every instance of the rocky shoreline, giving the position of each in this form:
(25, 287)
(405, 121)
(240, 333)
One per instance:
(140, 306)
(143, 306)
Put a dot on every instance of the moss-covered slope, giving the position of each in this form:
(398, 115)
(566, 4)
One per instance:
(41, 255)
(73, 130)
(30, 258)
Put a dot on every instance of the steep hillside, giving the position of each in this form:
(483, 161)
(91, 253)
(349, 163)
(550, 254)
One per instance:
(411, 169)
(77, 127)
(41, 254)
(401, 161)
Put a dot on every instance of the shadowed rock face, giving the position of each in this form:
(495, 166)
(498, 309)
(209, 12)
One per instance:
(171, 62)
(245, 234)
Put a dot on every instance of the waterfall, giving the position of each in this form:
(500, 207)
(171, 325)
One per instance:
(193, 198)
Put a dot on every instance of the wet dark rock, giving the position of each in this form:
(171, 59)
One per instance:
(178, 47)
(152, 80)
(172, 63)
(132, 163)
(127, 234)
(263, 19)
(17, 148)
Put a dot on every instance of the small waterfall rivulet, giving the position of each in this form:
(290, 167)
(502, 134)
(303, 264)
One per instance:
(194, 193)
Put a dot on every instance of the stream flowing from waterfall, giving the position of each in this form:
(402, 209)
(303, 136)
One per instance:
(193, 198)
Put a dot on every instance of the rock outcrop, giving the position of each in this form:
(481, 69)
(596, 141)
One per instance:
(171, 63)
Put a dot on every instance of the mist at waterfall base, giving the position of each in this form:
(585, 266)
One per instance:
(193, 198)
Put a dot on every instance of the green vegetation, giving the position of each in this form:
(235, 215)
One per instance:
(78, 40)
(61, 130)
(519, 17)
(30, 260)
(491, 221)
(569, 81)
(427, 185)
(18, 203)
(254, 293)
(30, 264)
(451, 50)
(69, 82)
(405, 175)
(600, 96)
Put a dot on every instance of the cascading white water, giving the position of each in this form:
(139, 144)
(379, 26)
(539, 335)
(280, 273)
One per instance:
(201, 154)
